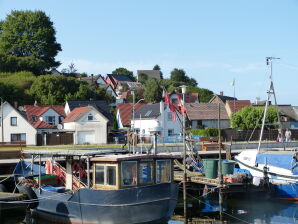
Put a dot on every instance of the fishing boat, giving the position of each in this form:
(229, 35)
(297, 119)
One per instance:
(97, 187)
(277, 167)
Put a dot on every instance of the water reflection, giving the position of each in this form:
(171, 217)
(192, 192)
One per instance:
(240, 209)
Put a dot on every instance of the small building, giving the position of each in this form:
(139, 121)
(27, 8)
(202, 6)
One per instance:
(88, 124)
(16, 127)
(205, 115)
(157, 117)
(189, 97)
(115, 80)
(221, 98)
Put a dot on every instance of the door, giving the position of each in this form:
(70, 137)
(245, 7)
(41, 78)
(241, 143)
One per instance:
(86, 137)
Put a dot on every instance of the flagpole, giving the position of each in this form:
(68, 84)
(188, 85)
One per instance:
(234, 94)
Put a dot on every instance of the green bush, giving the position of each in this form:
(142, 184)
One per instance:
(208, 132)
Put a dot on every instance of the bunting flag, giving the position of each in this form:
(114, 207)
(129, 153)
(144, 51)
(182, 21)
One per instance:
(173, 110)
(180, 105)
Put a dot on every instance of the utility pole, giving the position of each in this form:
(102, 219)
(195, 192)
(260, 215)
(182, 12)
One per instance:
(183, 88)
(133, 121)
(220, 168)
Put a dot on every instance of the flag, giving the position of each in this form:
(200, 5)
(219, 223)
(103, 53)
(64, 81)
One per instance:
(173, 110)
(233, 82)
(180, 104)
(166, 96)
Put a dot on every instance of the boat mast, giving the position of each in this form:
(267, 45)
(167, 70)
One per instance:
(270, 91)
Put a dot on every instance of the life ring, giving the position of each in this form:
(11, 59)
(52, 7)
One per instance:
(31, 195)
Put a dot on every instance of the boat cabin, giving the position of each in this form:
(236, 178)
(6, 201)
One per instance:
(112, 172)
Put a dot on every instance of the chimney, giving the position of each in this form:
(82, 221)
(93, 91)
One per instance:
(221, 93)
(35, 103)
(15, 104)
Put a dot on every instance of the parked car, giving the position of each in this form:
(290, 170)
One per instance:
(117, 138)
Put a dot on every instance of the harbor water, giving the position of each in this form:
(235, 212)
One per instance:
(240, 208)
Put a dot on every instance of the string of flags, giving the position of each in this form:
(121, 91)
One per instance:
(172, 107)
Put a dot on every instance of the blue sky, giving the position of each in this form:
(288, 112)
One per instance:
(214, 41)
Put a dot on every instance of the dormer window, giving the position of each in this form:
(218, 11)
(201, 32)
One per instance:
(33, 118)
(90, 117)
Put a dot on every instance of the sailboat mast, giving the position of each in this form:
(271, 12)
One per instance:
(270, 91)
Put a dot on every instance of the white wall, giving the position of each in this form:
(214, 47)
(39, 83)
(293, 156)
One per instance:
(51, 112)
(98, 126)
(158, 122)
(23, 126)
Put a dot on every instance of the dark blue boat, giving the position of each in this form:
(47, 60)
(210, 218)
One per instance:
(120, 189)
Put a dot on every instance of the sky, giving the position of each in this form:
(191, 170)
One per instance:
(213, 41)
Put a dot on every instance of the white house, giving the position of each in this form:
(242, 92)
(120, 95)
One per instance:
(88, 124)
(15, 126)
(157, 117)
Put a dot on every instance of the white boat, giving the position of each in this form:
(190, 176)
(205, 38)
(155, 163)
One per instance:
(278, 167)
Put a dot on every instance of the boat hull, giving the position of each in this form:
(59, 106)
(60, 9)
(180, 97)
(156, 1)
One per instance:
(147, 204)
(285, 185)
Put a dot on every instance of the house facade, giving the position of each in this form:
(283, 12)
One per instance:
(157, 117)
(88, 124)
(124, 114)
(205, 115)
(15, 127)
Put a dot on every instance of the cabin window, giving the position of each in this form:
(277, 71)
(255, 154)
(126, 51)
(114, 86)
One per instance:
(99, 175)
(146, 172)
(129, 173)
(105, 175)
(163, 171)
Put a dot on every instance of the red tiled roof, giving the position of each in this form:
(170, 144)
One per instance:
(76, 113)
(189, 97)
(239, 104)
(37, 111)
(205, 111)
(125, 110)
(43, 125)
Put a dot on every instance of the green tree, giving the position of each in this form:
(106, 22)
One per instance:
(28, 42)
(143, 78)
(251, 117)
(153, 92)
(124, 71)
(205, 95)
(156, 67)
(178, 75)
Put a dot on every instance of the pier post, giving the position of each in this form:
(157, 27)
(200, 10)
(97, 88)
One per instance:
(220, 197)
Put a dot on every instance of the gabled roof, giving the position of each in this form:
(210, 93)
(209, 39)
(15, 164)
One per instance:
(150, 73)
(289, 111)
(37, 111)
(148, 111)
(76, 113)
(125, 110)
(205, 111)
(100, 105)
(236, 105)
(91, 79)
(222, 98)
(120, 78)
(43, 125)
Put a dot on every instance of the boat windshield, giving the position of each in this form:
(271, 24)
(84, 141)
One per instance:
(129, 173)
(163, 171)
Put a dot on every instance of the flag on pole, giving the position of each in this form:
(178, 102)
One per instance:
(180, 104)
(233, 82)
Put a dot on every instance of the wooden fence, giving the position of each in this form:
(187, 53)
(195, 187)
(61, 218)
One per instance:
(55, 139)
(245, 135)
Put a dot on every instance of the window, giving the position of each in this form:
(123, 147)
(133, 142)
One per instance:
(163, 171)
(146, 172)
(90, 117)
(105, 175)
(61, 118)
(129, 173)
(170, 132)
(50, 120)
(33, 118)
(170, 117)
(13, 121)
(18, 137)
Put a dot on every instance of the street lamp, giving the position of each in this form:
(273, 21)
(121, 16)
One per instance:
(183, 88)
(133, 119)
